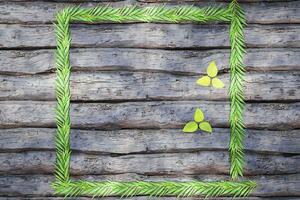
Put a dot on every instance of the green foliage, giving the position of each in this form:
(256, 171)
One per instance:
(212, 69)
(211, 79)
(63, 95)
(205, 126)
(64, 186)
(236, 90)
(163, 188)
(191, 127)
(217, 83)
(149, 14)
(204, 81)
(198, 116)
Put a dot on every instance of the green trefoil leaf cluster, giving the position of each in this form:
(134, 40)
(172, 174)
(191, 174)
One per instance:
(198, 123)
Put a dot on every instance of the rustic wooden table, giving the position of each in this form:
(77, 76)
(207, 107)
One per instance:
(133, 88)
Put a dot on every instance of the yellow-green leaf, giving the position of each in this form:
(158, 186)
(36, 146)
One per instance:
(217, 83)
(190, 127)
(198, 116)
(212, 69)
(205, 126)
(204, 81)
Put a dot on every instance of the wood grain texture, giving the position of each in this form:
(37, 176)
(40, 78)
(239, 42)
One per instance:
(241, 2)
(39, 185)
(160, 1)
(148, 141)
(165, 114)
(43, 12)
(115, 65)
(122, 86)
(149, 36)
(179, 61)
(202, 162)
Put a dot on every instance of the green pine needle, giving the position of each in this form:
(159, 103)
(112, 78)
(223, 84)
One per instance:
(64, 186)
(150, 14)
(157, 189)
(236, 90)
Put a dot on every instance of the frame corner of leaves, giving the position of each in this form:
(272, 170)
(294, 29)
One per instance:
(233, 14)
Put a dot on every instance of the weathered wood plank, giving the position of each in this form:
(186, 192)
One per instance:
(149, 35)
(180, 61)
(212, 1)
(147, 141)
(43, 12)
(242, 2)
(98, 86)
(166, 114)
(268, 186)
(62, 1)
(203, 162)
(75, 2)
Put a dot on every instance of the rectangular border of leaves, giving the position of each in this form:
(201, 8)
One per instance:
(234, 15)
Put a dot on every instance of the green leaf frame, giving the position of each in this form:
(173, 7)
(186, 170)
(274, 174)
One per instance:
(232, 14)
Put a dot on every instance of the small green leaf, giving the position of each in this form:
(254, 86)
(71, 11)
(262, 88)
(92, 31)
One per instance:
(198, 116)
(205, 126)
(217, 83)
(204, 81)
(190, 127)
(212, 69)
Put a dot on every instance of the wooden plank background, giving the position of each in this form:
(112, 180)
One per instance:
(133, 88)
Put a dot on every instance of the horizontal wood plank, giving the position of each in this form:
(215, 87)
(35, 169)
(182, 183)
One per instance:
(148, 141)
(202, 162)
(43, 12)
(99, 86)
(144, 198)
(165, 114)
(241, 2)
(180, 61)
(269, 186)
(112, 1)
(149, 36)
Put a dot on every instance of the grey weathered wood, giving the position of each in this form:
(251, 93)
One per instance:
(242, 2)
(268, 152)
(149, 35)
(43, 12)
(180, 61)
(147, 141)
(150, 1)
(37, 185)
(203, 162)
(95, 86)
(165, 114)
(144, 198)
